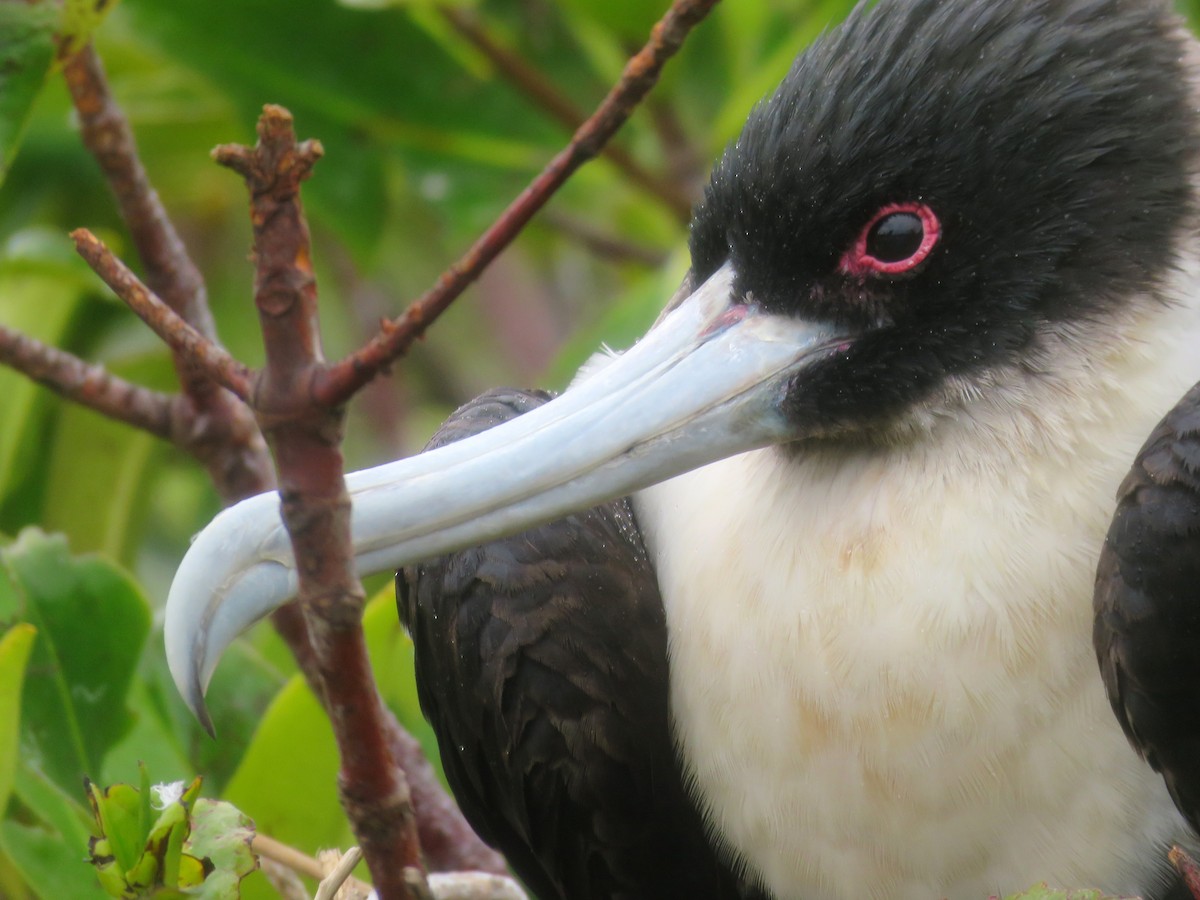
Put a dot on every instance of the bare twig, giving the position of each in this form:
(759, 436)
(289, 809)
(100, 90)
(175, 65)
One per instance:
(163, 321)
(342, 380)
(305, 439)
(539, 88)
(88, 384)
(218, 429)
(333, 882)
(206, 421)
(287, 855)
(170, 272)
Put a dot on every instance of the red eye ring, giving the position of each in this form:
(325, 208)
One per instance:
(860, 261)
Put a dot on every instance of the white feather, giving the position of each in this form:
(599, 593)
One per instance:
(913, 622)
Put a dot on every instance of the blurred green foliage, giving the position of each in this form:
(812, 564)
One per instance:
(426, 143)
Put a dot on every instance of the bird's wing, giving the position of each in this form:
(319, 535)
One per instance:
(1147, 604)
(541, 663)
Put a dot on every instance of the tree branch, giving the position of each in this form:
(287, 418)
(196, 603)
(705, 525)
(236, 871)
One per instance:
(305, 439)
(170, 272)
(538, 88)
(221, 432)
(181, 337)
(89, 385)
(206, 420)
(340, 381)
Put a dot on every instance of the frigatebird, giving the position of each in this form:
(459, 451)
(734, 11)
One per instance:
(834, 641)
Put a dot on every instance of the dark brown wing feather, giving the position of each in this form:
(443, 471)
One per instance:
(542, 665)
(1147, 604)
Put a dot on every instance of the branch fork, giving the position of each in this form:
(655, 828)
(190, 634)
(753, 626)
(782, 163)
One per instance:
(298, 402)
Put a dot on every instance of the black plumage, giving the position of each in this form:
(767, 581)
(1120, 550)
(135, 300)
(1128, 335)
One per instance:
(948, 103)
(541, 663)
(1147, 604)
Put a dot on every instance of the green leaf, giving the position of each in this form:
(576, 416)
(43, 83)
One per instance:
(99, 502)
(92, 622)
(49, 853)
(121, 828)
(51, 867)
(58, 810)
(40, 305)
(222, 835)
(26, 56)
(15, 647)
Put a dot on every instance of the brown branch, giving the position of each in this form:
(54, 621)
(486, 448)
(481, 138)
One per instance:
(340, 381)
(181, 337)
(538, 87)
(206, 421)
(305, 439)
(213, 425)
(88, 384)
(170, 272)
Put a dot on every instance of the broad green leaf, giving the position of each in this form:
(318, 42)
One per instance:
(287, 782)
(98, 504)
(15, 647)
(92, 622)
(49, 854)
(26, 56)
(62, 812)
(40, 305)
(51, 867)
(11, 882)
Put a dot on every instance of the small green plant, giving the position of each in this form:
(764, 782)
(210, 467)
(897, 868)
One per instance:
(166, 841)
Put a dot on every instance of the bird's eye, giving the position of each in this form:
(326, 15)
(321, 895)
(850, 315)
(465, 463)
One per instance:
(895, 240)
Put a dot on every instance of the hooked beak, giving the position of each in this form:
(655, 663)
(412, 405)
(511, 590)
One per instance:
(706, 382)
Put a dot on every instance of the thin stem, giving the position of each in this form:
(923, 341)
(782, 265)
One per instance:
(88, 384)
(181, 337)
(305, 439)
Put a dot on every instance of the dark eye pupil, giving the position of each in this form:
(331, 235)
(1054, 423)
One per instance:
(896, 237)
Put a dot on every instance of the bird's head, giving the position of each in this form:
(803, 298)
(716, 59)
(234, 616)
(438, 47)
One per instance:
(950, 180)
(935, 188)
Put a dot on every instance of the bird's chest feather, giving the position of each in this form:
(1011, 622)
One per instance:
(882, 672)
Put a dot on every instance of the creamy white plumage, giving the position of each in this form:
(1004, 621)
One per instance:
(927, 719)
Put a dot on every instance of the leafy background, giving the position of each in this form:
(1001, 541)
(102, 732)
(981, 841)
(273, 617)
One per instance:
(425, 145)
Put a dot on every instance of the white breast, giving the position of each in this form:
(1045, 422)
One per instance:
(882, 669)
